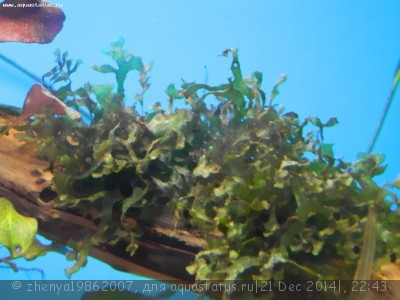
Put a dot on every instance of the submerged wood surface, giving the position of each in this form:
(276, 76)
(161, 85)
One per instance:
(164, 250)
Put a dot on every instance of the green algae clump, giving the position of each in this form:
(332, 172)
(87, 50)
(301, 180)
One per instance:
(259, 184)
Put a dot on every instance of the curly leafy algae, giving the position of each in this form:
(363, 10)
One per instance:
(266, 193)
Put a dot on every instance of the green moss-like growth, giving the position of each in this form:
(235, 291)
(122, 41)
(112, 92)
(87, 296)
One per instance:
(267, 194)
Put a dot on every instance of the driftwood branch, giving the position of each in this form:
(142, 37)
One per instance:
(164, 250)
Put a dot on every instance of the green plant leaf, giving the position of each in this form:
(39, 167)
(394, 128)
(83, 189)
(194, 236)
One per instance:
(137, 196)
(172, 92)
(327, 149)
(104, 69)
(17, 232)
(103, 93)
(204, 169)
(332, 122)
(275, 89)
(81, 258)
(258, 76)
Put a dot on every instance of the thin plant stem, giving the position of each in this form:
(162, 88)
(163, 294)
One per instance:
(20, 68)
(386, 109)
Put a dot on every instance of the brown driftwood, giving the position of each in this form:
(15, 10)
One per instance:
(164, 250)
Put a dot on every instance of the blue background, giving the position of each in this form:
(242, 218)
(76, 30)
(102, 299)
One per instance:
(339, 56)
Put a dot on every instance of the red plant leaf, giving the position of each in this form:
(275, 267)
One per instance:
(37, 22)
(41, 101)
